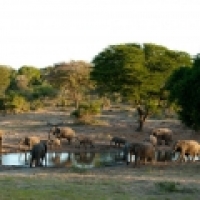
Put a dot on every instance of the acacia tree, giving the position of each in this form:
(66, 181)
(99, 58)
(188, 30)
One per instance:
(72, 78)
(136, 71)
(184, 90)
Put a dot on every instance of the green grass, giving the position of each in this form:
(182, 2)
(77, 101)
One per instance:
(46, 188)
(80, 187)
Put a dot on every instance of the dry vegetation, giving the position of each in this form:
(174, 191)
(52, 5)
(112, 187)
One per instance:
(168, 180)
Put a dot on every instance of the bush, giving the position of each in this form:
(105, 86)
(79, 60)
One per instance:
(168, 186)
(86, 111)
(16, 103)
(36, 105)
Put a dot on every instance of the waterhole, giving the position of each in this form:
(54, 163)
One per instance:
(65, 159)
(85, 160)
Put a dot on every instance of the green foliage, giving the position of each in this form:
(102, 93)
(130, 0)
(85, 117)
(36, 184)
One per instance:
(136, 71)
(171, 187)
(87, 109)
(32, 93)
(21, 82)
(168, 186)
(184, 88)
(72, 78)
(118, 68)
(16, 103)
(5, 78)
(44, 90)
(32, 74)
(86, 112)
(155, 110)
(36, 105)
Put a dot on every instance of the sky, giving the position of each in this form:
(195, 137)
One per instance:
(44, 32)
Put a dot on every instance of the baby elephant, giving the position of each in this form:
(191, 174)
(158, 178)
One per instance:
(56, 143)
(118, 141)
(38, 154)
(163, 134)
(85, 141)
(29, 141)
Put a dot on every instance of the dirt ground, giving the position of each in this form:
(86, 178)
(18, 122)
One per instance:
(114, 122)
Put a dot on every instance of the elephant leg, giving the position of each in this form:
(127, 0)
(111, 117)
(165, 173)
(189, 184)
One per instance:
(136, 159)
(153, 160)
(159, 141)
(37, 162)
(69, 140)
(145, 160)
(128, 156)
(182, 157)
(31, 162)
(41, 161)
(193, 157)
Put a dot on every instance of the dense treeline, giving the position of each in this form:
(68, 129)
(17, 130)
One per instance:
(149, 76)
(184, 90)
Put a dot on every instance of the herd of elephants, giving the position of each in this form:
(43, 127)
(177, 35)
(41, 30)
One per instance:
(144, 151)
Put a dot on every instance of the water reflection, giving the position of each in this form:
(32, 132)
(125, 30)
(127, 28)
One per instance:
(64, 159)
(187, 158)
(80, 160)
(59, 159)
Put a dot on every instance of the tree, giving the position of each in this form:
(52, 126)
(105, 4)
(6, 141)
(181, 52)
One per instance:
(118, 68)
(32, 74)
(21, 82)
(184, 90)
(161, 62)
(5, 78)
(72, 78)
(136, 71)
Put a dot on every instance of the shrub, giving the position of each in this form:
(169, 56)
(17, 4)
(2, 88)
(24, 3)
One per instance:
(36, 105)
(16, 103)
(168, 186)
(86, 111)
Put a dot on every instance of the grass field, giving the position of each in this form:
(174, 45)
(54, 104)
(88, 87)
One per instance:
(180, 182)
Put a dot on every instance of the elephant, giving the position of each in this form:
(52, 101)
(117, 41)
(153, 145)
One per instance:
(38, 154)
(163, 134)
(85, 141)
(164, 155)
(125, 150)
(63, 132)
(186, 148)
(118, 141)
(152, 139)
(29, 141)
(54, 143)
(143, 151)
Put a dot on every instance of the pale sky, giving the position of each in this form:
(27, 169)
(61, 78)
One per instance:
(44, 32)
